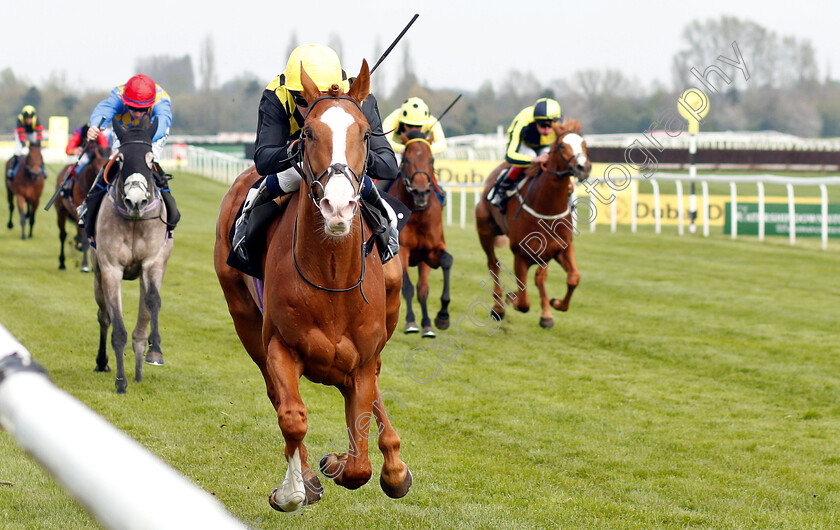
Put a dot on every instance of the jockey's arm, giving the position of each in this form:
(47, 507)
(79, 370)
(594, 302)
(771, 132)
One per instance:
(273, 136)
(390, 125)
(512, 156)
(107, 109)
(39, 132)
(73, 143)
(381, 162)
(439, 143)
(162, 110)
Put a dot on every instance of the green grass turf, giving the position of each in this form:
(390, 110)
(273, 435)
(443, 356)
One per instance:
(694, 382)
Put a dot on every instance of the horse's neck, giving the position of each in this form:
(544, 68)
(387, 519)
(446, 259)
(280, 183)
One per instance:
(547, 193)
(332, 259)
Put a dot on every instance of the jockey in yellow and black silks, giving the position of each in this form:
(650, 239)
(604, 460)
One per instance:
(530, 137)
(413, 114)
(281, 115)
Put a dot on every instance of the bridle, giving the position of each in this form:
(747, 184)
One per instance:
(306, 172)
(120, 191)
(408, 179)
(544, 169)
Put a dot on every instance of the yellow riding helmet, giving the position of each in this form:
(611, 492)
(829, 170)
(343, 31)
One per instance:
(414, 111)
(28, 111)
(321, 64)
(546, 109)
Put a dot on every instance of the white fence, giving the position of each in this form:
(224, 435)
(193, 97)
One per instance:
(225, 168)
(121, 483)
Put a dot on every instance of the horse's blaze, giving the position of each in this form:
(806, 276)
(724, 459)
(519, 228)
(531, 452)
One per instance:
(338, 205)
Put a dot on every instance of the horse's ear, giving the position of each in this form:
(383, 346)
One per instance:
(119, 128)
(310, 89)
(144, 121)
(152, 128)
(360, 88)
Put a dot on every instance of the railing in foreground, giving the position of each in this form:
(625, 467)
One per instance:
(112, 475)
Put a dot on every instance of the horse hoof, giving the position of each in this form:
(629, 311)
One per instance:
(291, 504)
(498, 315)
(105, 368)
(61, 267)
(442, 323)
(155, 358)
(411, 327)
(9, 226)
(428, 333)
(546, 322)
(397, 492)
(122, 385)
(314, 489)
(330, 466)
(84, 269)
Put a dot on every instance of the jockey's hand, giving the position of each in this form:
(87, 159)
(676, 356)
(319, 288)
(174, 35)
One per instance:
(93, 133)
(541, 159)
(78, 151)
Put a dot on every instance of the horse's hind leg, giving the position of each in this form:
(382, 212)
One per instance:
(22, 214)
(62, 236)
(442, 318)
(395, 478)
(499, 302)
(10, 196)
(30, 213)
(301, 485)
(423, 299)
(408, 295)
(566, 259)
(104, 319)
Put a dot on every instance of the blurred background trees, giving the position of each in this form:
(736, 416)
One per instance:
(785, 92)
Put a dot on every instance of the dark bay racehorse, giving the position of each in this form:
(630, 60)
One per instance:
(131, 243)
(326, 310)
(66, 206)
(421, 241)
(26, 186)
(538, 223)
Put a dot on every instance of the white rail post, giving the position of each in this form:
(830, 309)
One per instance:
(97, 464)
(733, 193)
(656, 214)
(791, 214)
(449, 209)
(760, 186)
(824, 211)
(705, 186)
(633, 200)
(463, 207)
(680, 213)
(613, 215)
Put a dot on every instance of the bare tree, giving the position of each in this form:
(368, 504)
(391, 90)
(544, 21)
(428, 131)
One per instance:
(207, 64)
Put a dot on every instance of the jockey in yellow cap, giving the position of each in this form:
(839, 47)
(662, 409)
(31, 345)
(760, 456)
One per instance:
(413, 114)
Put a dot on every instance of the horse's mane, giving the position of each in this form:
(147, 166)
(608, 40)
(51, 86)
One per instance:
(570, 124)
(414, 134)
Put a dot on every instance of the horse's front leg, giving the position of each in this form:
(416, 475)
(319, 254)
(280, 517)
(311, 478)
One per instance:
(520, 269)
(21, 204)
(301, 486)
(566, 259)
(408, 295)
(395, 477)
(10, 196)
(423, 271)
(148, 318)
(111, 278)
(442, 318)
(352, 469)
(30, 213)
(546, 318)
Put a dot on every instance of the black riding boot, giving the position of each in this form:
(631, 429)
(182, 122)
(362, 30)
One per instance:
(10, 173)
(499, 193)
(268, 190)
(387, 237)
(88, 210)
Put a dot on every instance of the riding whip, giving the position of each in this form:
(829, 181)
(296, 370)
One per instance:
(72, 170)
(391, 47)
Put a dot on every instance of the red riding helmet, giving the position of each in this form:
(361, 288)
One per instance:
(140, 92)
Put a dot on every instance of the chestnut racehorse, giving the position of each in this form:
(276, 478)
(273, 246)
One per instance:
(327, 310)
(538, 223)
(26, 185)
(421, 241)
(66, 206)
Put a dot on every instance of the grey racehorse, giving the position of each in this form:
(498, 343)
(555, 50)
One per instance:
(131, 242)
